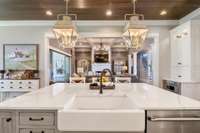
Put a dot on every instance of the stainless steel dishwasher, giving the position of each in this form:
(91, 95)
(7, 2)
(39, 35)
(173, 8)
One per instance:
(178, 121)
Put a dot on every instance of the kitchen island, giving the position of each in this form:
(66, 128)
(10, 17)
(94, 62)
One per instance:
(37, 112)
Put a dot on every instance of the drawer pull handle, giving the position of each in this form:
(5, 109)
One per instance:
(20, 82)
(20, 87)
(2, 82)
(11, 82)
(179, 63)
(179, 76)
(29, 82)
(174, 119)
(11, 87)
(8, 119)
(36, 132)
(31, 119)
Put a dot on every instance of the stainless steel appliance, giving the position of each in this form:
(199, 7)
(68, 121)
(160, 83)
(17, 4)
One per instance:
(172, 86)
(173, 121)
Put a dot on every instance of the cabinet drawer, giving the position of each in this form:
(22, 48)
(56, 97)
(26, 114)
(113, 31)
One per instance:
(41, 119)
(33, 130)
(181, 73)
(2, 87)
(31, 84)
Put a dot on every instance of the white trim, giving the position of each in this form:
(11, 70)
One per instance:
(46, 61)
(27, 23)
(190, 16)
(87, 23)
(60, 51)
(122, 23)
(99, 34)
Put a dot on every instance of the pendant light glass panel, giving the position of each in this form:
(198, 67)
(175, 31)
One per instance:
(64, 30)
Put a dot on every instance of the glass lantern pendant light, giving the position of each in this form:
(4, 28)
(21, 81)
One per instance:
(135, 33)
(64, 29)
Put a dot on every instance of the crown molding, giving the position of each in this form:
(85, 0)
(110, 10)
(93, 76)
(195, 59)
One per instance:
(87, 23)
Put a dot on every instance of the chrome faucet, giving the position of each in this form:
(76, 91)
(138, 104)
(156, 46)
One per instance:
(101, 78)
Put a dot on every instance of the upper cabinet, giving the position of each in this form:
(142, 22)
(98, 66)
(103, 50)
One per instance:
(185, 51)
(181, 45)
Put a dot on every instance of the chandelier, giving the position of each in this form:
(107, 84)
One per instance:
(135, 32)
(64, 29)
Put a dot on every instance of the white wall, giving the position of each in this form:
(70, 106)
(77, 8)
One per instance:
(24, 35)
(36, 35)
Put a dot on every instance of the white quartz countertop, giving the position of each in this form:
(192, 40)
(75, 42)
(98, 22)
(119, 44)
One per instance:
(145, 96)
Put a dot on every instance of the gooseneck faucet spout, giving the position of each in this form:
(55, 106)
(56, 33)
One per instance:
(101, 79)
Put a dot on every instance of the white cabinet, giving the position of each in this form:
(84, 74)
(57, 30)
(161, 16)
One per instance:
(185, 51)
(181, 73)
(13, 88)
(19, 85)
(191, 90)
(181, 45)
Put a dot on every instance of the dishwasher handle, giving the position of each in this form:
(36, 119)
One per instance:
(174, 119)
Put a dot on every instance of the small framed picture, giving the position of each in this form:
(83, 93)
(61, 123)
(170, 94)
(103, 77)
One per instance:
(21, 57)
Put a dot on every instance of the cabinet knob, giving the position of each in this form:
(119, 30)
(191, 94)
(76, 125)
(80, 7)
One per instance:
(179, 36)
(11, 87)
(8, 119)
(179, 63)
(11, 82)
(2, 82)
(179, 76)
(20, 82)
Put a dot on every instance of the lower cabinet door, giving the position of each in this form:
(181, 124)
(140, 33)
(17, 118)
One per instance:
(6, 123)
(36, 130)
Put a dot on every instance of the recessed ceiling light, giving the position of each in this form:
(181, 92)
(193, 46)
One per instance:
(108, 12)
(49, 13)
(163, 13)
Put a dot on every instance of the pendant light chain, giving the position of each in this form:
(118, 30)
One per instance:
(67, 2)
(134, 7)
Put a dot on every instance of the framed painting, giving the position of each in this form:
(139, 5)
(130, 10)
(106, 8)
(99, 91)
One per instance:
(21, 57)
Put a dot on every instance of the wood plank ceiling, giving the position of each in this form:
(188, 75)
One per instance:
(94, 9)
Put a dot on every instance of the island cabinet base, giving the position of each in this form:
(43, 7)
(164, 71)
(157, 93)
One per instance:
(45, 121)
(32, 121)
(28, 121)
(179, 121)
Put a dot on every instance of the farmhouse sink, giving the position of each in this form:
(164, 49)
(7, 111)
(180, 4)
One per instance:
(101, 113)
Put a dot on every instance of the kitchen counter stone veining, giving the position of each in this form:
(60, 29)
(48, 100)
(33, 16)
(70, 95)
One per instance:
(145, 96)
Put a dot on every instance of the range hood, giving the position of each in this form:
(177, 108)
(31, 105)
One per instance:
(101, 55)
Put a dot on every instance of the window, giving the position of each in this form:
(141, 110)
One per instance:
(59, 66)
